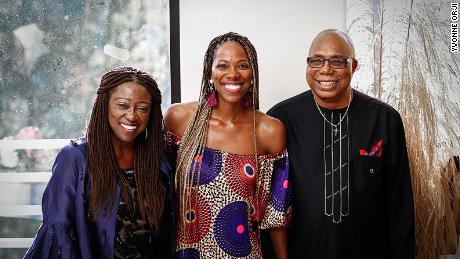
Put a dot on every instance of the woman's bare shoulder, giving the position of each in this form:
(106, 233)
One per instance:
(271, 133)
(178, 115)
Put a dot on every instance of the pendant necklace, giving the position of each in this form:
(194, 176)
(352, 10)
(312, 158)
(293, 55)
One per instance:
(336, 163)
(334, 126)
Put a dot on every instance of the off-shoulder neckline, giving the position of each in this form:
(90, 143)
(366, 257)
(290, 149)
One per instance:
(267, 156)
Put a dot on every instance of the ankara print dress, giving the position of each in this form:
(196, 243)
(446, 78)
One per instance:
(227, 208)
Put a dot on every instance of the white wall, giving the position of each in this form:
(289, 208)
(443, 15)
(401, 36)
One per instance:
(281, 32)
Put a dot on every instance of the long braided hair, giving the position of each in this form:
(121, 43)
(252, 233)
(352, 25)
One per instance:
(102, 163)
(194, 140)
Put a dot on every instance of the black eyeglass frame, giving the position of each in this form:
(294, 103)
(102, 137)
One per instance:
(347, 61)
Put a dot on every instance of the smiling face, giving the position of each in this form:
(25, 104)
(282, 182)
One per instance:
(231, 72)
(129, 111)
(331, 86)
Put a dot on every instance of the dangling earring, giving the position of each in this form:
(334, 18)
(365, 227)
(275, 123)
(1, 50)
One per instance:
(212, 97)
(146, 134)
(246, 101)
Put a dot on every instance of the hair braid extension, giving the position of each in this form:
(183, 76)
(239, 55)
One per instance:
(102, 163)
(194, 140)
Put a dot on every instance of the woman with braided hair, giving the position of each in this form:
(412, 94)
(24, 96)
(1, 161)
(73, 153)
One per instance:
(232, 168)
(109, 194)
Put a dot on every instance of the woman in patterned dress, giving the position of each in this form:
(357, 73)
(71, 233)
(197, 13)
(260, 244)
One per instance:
(225, 197)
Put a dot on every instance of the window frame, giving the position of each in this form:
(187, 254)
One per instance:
(43, 177)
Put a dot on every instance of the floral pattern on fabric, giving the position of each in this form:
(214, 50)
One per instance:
(132, 236)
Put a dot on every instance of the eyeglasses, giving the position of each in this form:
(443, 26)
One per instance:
(317, 62)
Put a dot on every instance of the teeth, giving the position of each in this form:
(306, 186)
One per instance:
(232, 87)
(327, 83)
(128, 127)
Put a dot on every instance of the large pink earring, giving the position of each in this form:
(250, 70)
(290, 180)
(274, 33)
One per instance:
(212, 97)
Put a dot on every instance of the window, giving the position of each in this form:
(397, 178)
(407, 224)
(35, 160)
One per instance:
(52, 56)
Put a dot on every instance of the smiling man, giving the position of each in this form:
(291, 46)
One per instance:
(350, 179)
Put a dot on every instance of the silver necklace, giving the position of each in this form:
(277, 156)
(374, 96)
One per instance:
(334, 126)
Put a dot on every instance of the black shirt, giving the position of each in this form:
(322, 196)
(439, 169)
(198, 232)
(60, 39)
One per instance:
(379, 219)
